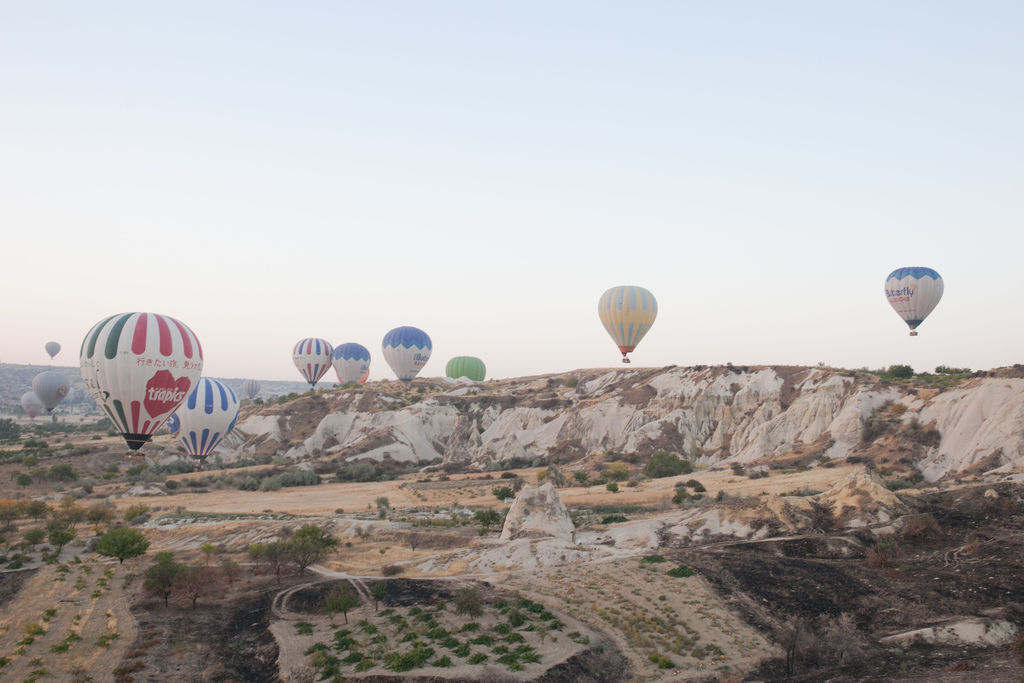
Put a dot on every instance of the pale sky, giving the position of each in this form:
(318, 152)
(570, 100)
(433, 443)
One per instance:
(270, 171)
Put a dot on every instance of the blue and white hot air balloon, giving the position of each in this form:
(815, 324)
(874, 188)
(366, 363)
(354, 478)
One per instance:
(352, 363)
(406, 350)
(913, 292)
(173, 423)
(207, 416)
(312, 357)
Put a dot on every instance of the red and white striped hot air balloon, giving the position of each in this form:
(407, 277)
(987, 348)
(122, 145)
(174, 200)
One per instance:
(312, 357)
(140, 367)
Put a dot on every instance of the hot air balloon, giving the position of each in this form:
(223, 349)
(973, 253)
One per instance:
(207, 416)
(913, 292)
(173, 423)
(250, 389)
(406, 350)
(352, 363)
(140, 367)
(627, 312)
(52, 348)
(51, 387)
(466, 366)
(31, 404)
(312, 357)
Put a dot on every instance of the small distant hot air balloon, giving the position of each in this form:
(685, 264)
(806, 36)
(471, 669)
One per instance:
(250, 389)
(31, 404)
(140, 367)
(312, 357)
(913, 292)
(466, 366)
(352, 363)
(52, 348)
(406, 350)
(51, 387)
(207, 416)
(627, 313)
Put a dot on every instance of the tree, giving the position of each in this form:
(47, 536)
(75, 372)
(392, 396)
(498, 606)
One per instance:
(379, 591)
(487, 518)
(257, 553)
(208, 550)
(37, 509)
(23, 480)
(122, 543)
(617, 471)
(341, 599)
(62, 472)
(467, 601)
(383, 505)
(581, 476)
(664, 464)
(309, 544)
(231, 570)
(10, 510)
(194, 581)
(60, 537)
(163, 575)
(34, 536)
(276, 555)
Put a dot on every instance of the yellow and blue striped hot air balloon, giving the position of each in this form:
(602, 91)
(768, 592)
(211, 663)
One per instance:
(627, 313)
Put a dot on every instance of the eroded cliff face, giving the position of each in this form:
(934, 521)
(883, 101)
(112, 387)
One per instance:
(712, 415)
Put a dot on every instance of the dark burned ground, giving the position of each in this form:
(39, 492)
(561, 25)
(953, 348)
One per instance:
(225, 638)
(972, 566)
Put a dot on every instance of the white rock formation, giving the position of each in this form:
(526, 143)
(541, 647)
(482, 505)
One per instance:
(538, 513)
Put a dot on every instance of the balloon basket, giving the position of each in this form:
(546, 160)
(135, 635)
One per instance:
(626, 360)
(913, 333)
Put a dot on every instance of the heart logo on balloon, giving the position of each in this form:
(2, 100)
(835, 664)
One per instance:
(164, 393)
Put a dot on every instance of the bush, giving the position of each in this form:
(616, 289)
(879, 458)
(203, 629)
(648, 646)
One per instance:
(652, 559)
(614, 519)
(680, 572)
(920, 529)
(681, 496)
(664, 464)
(883, 554)
(133, 511)
(612, 486)
(391, 570)
(467, 601)
(617, 471)
(503, 492)
(695, 485)
(900, 371)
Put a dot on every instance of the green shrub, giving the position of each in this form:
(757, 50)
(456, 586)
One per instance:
(653, 559)
(680, 572)
(480, 657)
(612, 486)
(665, 464)
(614, 519)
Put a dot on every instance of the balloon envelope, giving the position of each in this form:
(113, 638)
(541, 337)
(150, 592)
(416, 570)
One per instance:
(406, 350)
(250, 389)
(627, 313)
(312, 358)
(173, 423)
(913, 292)
(352, 363)
(140, 367)
(207, 416)
(52, 348)
(51, 387)
(31, 404)
(466, 366)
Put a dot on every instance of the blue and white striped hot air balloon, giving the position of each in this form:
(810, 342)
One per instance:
(352, 363)
(406, 350)
(312, 357)
(250, 389)
(173, 423)
(627, 313)
(207, 416)
(913, 292)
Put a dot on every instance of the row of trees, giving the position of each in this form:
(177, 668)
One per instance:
(307, 545)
